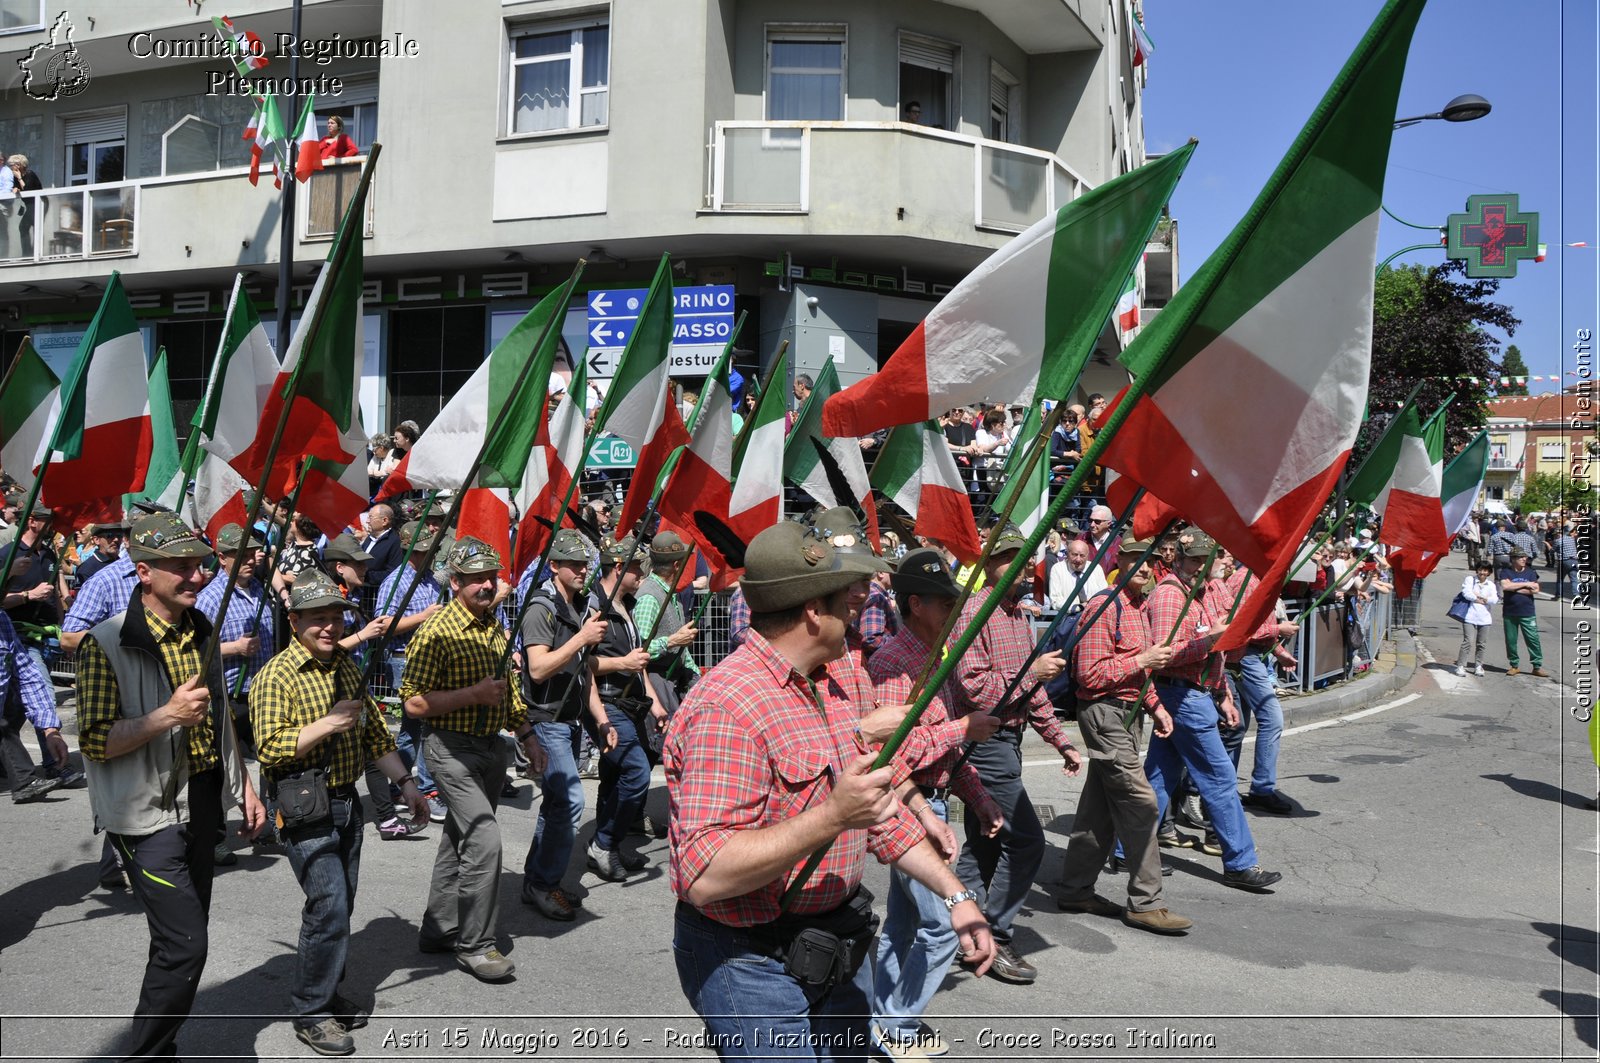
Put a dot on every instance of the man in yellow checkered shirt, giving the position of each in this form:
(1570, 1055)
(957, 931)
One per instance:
(451, 680)
(310, 712)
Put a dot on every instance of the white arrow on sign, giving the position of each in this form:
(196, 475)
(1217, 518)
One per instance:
(600, 302)
(599, 334)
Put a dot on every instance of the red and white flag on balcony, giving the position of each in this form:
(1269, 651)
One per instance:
(265, 132)
(1021, 326)
(1275, 327)
(246, 47)
(103, 438)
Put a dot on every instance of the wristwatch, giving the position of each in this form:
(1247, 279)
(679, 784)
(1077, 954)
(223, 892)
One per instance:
(954, 899)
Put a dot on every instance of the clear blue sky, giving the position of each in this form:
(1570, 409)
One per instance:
(1244, 75)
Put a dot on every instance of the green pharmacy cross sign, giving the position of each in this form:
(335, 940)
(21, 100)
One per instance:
(1492, 236)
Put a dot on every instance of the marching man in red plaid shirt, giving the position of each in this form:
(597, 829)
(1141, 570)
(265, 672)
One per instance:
(764, 764)
(1112, 658)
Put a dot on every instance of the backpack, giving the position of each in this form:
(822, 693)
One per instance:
(1063, 689)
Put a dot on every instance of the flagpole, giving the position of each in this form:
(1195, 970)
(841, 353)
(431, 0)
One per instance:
(292, 388)
(490, 437)
(286, 218)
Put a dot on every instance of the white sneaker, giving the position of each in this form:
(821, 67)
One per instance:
(1458, 670)
(1478, 670)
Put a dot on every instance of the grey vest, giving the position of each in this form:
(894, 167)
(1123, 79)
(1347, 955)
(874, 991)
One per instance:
(672, 619)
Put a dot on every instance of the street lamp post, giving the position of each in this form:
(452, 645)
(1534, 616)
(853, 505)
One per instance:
(1467, 107)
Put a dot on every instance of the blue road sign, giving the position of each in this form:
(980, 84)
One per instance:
(702, 321)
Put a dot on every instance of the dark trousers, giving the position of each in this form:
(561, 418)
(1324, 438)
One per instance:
(170, 872)
(1002, 868)
(326, 860)
(14, 758)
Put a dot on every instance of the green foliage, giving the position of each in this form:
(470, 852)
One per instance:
(1513, 366)
(1547, 492)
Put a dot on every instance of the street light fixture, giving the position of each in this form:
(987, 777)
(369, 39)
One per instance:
(1467, 107)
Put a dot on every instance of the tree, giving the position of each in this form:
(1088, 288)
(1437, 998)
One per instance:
(1512, 367)
(1548, 492)
(1430, 325)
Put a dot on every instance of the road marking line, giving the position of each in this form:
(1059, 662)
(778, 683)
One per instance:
(1385, 707)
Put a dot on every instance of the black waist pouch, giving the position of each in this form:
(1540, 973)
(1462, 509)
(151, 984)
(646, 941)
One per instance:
(828, 949)
(302, 800)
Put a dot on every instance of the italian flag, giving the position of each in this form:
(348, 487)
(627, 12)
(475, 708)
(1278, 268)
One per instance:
(639, 409)
(265, 131)
(1128, 311)
(317, 381)
(102, 439)
(554, 465)
(28, 399)
(164, 467)
(701, 480)
(756, 503)
(245, 368)
(1251, 384)
(1409, 502)
(1033, 491)
(249, 54)
(308, 145)
(1460, 484)
(1023, 324)
(917, 472)
(802, 465)
(1143, 46)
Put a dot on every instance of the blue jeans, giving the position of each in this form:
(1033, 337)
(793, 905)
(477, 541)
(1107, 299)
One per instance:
(1196, 744)
(47, 763)
(624, 782)
(1256, 696)
(915, 948)
(326, 860)
(753, 1009)
(560, 811)
(409, 740)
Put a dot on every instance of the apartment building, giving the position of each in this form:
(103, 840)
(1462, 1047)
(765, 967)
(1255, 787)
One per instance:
(830, 168)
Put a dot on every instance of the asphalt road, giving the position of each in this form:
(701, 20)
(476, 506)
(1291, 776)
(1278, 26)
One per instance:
(1438, 901)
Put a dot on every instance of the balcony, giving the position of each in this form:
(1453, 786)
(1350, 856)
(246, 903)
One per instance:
(869, 175)
(81, 222)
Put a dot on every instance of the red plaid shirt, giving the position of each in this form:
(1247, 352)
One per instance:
(755, 744)
(1265, 634)
(1104, 658)
(934, 744)
(878, 621)
(1190, 653)
(993, 659)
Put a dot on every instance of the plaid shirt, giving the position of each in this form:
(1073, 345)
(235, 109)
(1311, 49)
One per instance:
(738, 618)
(18, 667)
(393, 592)
(244, 608)
(296, 689)
(1191, 656)
(645, 609)
(878, 621)
(993, 660)
(1104, 660)
(1266, 633)
(1526, 542)
(451, 650)
(933, 746)
(100, 700)
(753, 745)
(102, 596)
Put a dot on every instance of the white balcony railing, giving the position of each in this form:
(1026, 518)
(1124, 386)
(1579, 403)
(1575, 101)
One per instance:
(774, 168)
(83, 221)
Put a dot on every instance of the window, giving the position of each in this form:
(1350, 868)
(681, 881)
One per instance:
(927, 77)
(432, 352)
(19, 15)
(805, 77)
(95, 147)
(191, 348)
(1003, 91)
(1552, 452)
(550, 69)
(360, 119)
(191, 146)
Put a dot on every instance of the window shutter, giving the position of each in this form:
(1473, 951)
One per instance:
(94, 128)
(932, 55)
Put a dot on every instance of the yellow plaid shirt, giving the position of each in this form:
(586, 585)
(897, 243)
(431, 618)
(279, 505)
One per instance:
(100, 702)
(452, 650)
(295, 689)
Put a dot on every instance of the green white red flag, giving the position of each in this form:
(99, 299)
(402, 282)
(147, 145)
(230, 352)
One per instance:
(701, 479)
(1033, 490)
(248, 51)
(308, 145)
(1252, 381)
(1460, 486)
(28, 398)
(1128, 311)
(756, 503)
(916, 471)
(102, 433)
(1409, 503)
(639, 409)
(245, 367)
(265, 133)
(164, 466)
(1022, 325)
(557, 458)
(803, 466)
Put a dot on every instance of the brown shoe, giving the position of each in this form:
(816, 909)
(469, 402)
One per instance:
(1513, 671)
(1009, 967)
(1094, 904)
(1157, 921)
(1539, 673)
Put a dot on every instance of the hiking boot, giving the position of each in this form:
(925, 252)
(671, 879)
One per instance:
(1539, 673)
(552, 904)
(1513, 670)
(606, 863)
(327, 1038)
(33, 789)
(348, 1013)
(490, 966)
(1157, 921)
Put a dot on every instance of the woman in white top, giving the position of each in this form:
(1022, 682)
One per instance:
(1483, 592)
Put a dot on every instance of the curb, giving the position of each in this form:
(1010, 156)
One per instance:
(1343, 698)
